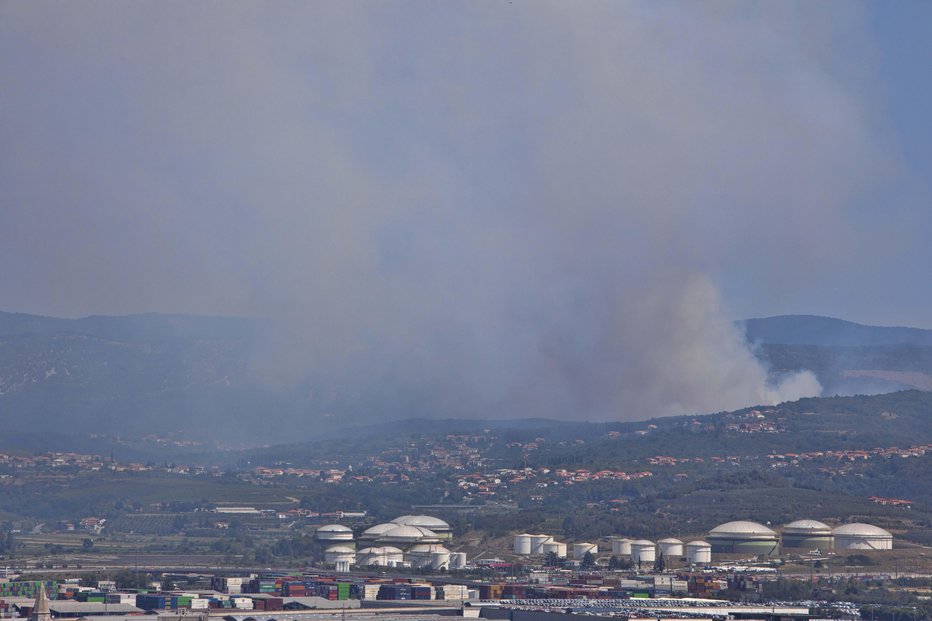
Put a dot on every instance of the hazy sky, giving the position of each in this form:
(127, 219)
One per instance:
(506, 184)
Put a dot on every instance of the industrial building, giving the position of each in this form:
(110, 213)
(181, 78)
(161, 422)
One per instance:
(742, 537)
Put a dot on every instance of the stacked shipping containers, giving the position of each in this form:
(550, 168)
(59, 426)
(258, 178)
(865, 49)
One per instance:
(394, 592)
(152, 601)
(27, 588)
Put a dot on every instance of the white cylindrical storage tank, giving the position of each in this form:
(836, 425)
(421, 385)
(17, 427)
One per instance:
(670, 547)
(580, 549)
(440, 560)
(393, 556)
(698, 552)
(425, 555)
(643, 551)
(337, 554)
(342, 566)
(537, 543)
(621, 547)
(458, 560)
(862, 537)
(556, 547)
(368, 557)
(523, 544)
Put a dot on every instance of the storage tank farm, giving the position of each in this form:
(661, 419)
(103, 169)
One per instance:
(807, 535)
(416, 540)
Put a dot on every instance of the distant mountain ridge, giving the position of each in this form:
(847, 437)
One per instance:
(155, 373)
(848, 358)
(829, 332)
(142, 328)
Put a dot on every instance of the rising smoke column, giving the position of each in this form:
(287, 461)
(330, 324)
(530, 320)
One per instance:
(449, 210)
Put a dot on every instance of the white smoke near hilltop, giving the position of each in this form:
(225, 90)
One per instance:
(454, 209)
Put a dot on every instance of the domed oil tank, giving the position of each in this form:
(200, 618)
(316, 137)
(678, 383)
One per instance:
(537, 543)
(581, 549)
(743, 537)
(862, 537)
(523, 544)
(643, 551)
(807, 535)
(621, 547)
(670, 547)
(698, 552)
(334, 532)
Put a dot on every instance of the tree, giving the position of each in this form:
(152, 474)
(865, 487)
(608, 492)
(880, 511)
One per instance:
(660, 564)
(87, 544)
(588, 561)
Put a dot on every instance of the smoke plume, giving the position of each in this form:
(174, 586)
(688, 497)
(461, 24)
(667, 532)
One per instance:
(466, 209)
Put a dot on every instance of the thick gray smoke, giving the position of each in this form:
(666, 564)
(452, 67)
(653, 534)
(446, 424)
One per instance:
(481, 209)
